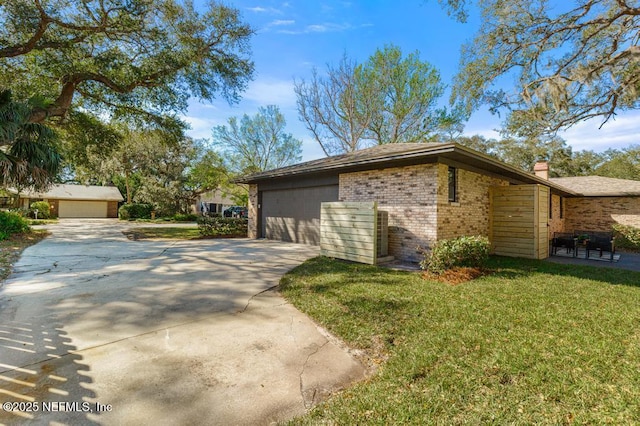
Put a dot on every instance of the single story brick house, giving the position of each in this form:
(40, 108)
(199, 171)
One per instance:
(434, 191)
(77, 201)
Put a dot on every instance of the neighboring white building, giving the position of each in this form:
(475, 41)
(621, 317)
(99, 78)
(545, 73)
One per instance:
(214, 202)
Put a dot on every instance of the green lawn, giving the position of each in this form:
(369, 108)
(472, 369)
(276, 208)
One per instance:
(177, 233)
(174, 233)
(535, 342)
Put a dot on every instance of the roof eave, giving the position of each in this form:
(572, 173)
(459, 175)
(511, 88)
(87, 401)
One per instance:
(446, 150)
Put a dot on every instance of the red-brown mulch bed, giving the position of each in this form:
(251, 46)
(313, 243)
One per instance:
(457, 276)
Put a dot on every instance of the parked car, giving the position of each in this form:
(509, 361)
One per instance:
(236, 211)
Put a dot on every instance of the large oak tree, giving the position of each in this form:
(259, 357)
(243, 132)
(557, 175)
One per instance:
(573, 60)
(132, 58)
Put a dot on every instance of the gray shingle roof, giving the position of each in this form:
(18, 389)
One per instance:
(78, 192)
(392, 155)
(593, 186)
(377, 153)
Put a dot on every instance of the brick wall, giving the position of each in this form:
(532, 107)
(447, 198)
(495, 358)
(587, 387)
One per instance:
(557, 223)
(112, 209)
(54, 207)
(253, 211)
(408, 194)
(599, 213)
(470, 215)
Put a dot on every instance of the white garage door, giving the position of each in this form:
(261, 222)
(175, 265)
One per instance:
(82, 209)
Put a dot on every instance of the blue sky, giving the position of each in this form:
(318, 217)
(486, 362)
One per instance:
(293, 37)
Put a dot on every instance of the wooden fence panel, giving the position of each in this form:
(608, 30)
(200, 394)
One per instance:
(349, 231)
(519, 220)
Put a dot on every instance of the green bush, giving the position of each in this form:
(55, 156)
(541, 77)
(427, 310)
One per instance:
(185, 217)
(43, 209)
(222, 226)
(471, 251)
(12, 223)
(135, 211)
(627, 237)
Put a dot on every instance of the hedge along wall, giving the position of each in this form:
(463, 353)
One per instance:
(349, 230)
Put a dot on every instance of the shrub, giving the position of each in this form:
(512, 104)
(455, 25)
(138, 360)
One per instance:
(185, 217)
(12, 223)
(135, 211)
(472, 251)
(43, 209)
(627, 237)
(222, 226)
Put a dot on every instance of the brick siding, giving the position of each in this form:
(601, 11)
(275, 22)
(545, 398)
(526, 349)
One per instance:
(470, 215)
(408, 194)
(416, 198)
(252, 231)
(112, 209)
(599, 213)
(557, 223)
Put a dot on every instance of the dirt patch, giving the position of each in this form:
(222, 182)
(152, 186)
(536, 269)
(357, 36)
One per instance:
(457, 276)
(11, 249)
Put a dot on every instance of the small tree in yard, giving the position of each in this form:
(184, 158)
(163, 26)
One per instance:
(42, 208)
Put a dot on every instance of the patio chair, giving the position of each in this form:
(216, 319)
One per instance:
(566, 240)
(601, 242)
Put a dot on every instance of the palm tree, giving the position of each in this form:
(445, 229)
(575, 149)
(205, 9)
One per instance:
(29, 156)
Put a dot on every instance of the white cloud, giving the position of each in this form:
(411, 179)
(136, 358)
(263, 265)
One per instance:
(278, 23)
(616, 133)
(200, 127)
(281, 22)
(327, 27)
(260, 9)
(271, 92)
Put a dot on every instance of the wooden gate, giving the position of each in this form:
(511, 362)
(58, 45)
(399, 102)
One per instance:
(519, 221)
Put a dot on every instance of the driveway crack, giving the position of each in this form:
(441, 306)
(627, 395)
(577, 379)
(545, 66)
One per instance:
(254, 296)
(309, 395)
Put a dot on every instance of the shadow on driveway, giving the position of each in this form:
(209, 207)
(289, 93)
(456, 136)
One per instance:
(166, 332)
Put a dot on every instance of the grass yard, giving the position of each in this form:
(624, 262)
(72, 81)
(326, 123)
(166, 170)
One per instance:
(535, 342)
(11, 249)
(177, 233)
(174, 233)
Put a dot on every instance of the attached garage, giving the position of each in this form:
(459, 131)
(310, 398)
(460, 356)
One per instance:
(293, 214)
(95, 209)
(78, 201)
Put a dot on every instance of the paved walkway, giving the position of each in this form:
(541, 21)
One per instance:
(629, 261)
(159, 332)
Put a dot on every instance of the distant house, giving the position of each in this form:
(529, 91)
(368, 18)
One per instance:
(213, 201)
(434, 191)
(77, 201)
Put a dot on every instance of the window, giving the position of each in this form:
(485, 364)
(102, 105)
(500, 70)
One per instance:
(7, 202)
(453, 184)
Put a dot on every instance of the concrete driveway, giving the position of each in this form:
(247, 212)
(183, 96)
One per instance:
(159, 332)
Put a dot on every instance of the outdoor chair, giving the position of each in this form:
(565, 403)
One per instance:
(566, 240)
(601, 242)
